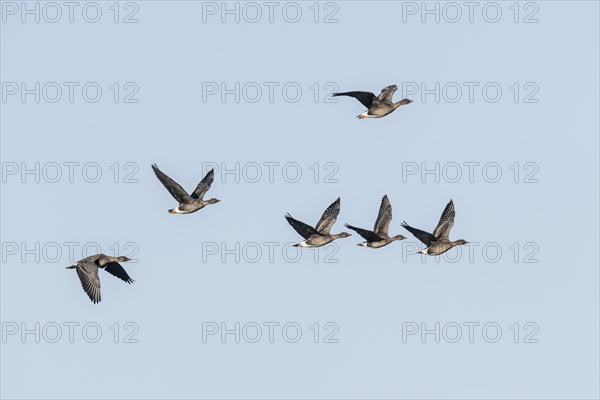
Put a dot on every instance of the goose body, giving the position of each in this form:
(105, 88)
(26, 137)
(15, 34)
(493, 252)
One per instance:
(87, 270)
(377, 106)
(378, 237)
(188, 203)
(437, 242)
(319, 235)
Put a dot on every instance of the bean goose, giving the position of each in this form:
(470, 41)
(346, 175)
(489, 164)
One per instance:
(437, 242)
(188, 203)
(378, 237)
(319, 235)
(377, 106)
(87, 270)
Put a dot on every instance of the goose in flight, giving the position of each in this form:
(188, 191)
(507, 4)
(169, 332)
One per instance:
(188, 203)
(87, 270)
(378, 106)
(319, 235)
(378, 237)
(437, 242)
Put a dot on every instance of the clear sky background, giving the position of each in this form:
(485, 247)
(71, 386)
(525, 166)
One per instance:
(371, 296)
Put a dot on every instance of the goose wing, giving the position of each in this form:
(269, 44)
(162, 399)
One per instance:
(442, 230)
(387, 93)
(368, 235)
(90, 281)
(173, 187)
(328, 218)
(366, 98)
(303, 229)
(204, 185)
(115, 269)
(425, 237)
(384, 217)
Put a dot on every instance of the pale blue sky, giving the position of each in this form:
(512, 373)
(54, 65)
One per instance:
(369, 294)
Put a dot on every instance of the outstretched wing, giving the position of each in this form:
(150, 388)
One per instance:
(442, 230)
(425, 237)
(328, 218)
(204, 185)
(303, 229)
(90, 281)
(115, 269)
(366, 98)
(384, 217)
(369, 236)
(173, 187)
(387, 93)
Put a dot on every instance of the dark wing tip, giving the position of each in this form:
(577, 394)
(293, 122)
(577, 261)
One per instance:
(210, 176)
(93, 299)
(385, 200)
(352, 227)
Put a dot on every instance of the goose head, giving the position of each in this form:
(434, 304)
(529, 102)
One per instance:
(398, 237)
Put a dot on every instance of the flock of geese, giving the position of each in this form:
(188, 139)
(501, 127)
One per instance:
(436, 243)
